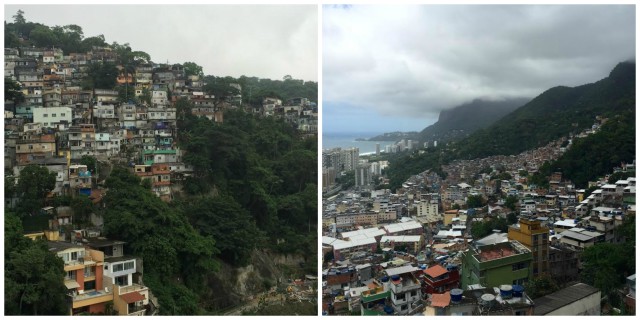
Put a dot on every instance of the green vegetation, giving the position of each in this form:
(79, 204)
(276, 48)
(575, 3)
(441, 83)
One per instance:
(554, 114)
(169, 246)
(69, 38)
(476, 201)
(13, 91)
(254, 90)
(347, 180)
(541, 286)
(606, 265)
(101, 75)
(485, 228)
(402, 166)
(264, 166)
(465, 119)
(33, 187)
(597, 154)
(33, 276)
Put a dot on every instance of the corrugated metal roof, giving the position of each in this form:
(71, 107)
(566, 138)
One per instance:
(561, 298)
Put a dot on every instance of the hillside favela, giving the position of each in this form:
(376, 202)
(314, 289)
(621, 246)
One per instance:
(142, 187)
(500, 185)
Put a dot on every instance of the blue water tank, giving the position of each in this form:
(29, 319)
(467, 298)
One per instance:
(395, 277)
(518, 290)
(456, 295)
(506, 291)
(385, 279)
(388, 310)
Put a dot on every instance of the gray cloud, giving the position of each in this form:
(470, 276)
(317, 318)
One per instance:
(267, 41)
(418, 60)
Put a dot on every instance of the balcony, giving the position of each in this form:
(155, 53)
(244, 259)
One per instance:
(84, 299)
(132, 288)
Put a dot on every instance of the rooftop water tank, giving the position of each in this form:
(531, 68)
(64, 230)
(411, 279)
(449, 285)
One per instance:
(395, 277)
(487, 299)
(385, 279)
(518, 290)
(456, 296)
(506, 291)
(388, 310)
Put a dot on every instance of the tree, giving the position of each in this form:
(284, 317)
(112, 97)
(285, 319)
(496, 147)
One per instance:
(13, 91)
(511, 202)
(43, 36)
(34, 184)
(102, 75)
(82, 208)
(192, 69)
(222, 218)
(475, 201)
(18, 18)
(541, 286)
(220, 88)
(34, 277)
(91, 163)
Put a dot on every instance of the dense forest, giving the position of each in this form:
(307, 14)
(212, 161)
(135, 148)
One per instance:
(555, 113)
(465, 119)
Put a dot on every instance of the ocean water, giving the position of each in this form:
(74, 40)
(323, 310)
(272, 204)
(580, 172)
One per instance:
(348, 140)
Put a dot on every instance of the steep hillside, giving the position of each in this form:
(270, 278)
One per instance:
(553, 114)
(465, 119)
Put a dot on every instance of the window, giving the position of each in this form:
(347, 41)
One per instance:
(53, 115)
(517, 266)
(62, 114)
(45, 115)
(74, 255)
(118, 267)
(90, 285)
(128, 265)
(122, 280)
(71, 275)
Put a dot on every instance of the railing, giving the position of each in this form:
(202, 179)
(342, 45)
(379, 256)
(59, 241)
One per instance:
(132, 288)
(137, 311)
(90, 295)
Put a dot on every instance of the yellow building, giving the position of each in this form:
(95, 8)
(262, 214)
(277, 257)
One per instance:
(535, 237)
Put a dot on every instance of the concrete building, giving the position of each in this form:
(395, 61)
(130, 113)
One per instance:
(404, 289)
(563, 263)
(534, 236)
(429, 210)
(53, 117)
(438, 279)
(577, 300)
(579, 238)
(497, 264)
(83, 277)
(362, 175)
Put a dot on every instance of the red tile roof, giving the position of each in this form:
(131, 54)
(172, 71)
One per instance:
(435, 271)
(132, 297)
(440, 300)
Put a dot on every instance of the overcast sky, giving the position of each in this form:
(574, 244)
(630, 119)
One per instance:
(393, 68)
(268, 41)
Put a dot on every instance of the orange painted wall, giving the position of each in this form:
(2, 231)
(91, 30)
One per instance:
(99, 270)
(80, 278)
(97, 308)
